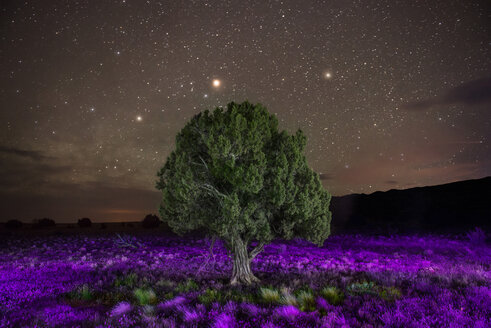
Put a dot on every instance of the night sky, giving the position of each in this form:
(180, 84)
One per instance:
(391, 94)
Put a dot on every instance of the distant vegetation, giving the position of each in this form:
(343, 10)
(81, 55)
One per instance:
(151, 221)
(45, 223)
(13, 224)
(84, 223)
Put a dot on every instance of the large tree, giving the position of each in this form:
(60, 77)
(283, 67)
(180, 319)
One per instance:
(235, 176)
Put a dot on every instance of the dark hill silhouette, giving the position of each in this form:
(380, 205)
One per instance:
(452, 207)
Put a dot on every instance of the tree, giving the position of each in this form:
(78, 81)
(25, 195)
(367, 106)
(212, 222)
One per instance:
(151, 221)
(234, 176)
(84, 223)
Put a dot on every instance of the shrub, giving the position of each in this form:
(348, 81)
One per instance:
(151, 221)
(45, 222)
(145, 296)
(187, 286)
(103, 226)
(13, 224)
(128, 280)
(390, 293)
(84, 223)
(287, 298)
(269, 295)
(306, 300)
(333, 295)
(210, 296)
(365, 287)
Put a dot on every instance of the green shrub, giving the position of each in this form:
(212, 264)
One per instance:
(306, 300)
(129, 280)
(390, 293)
(210, 296)
(365, 287)
(269, 295)
(145, 296)
(186, 286)
(287, 297)
(85, 293)
(333, 295)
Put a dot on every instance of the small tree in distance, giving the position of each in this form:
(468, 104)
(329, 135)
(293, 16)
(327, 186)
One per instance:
(234, 176)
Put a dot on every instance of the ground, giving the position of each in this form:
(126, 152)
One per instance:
(148, 280)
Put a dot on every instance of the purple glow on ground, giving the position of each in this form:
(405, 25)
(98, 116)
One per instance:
(394, 282)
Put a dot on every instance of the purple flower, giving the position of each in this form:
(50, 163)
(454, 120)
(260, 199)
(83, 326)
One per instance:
(120, 309)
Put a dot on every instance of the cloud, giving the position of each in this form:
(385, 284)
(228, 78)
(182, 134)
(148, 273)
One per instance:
(470, 93)
(32, 154)
(391, 182)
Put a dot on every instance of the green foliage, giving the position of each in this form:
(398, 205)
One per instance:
(83, 293)
(234, 175)
(360, 288)
(287, 297)
(186, 286)
(210, 296)
(333, 295)
(306, 300)
(145, 296)
(269, 295)
(390, 293)
(129, 280)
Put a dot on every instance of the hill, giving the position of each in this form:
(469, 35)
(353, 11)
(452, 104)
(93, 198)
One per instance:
(451, 207)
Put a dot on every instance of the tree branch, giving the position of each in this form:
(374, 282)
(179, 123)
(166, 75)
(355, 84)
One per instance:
(256, 250)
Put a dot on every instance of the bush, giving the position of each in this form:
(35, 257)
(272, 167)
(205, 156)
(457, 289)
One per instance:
(13, 224)
(84, 223)
(45, 222)
(151, 221)
(103, 226)
(145, 296)
(269, 295)
(306, 300)
(333, 295)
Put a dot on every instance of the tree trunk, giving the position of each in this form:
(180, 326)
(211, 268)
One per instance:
(241, 273)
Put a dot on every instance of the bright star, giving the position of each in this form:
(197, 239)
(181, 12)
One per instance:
(327, 75)
(216, 83)
(139, 118)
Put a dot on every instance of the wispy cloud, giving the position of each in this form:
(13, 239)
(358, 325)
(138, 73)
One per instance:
(475, 92)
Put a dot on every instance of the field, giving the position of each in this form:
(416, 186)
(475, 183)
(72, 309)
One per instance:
(147, 280)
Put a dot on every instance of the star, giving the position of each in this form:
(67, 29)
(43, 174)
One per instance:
(139, 118)
(216, 83)
(327, 75)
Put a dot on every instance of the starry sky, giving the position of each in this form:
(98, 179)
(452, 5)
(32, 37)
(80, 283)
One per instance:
(391, 94)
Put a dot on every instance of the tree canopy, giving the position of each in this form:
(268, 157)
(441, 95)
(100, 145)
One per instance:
(235, 176)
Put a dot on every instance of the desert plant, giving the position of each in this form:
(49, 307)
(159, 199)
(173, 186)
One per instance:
(360, 288)
(306, 300)
(210, 296)
(235, 176)
(129, 280)
(269, 295)
(13, 224)
(145, 296)
(151, 221)
(333, 295)
(287, 297)
(84, 223)
(390, 293)
(45, 222)
(186, 286)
